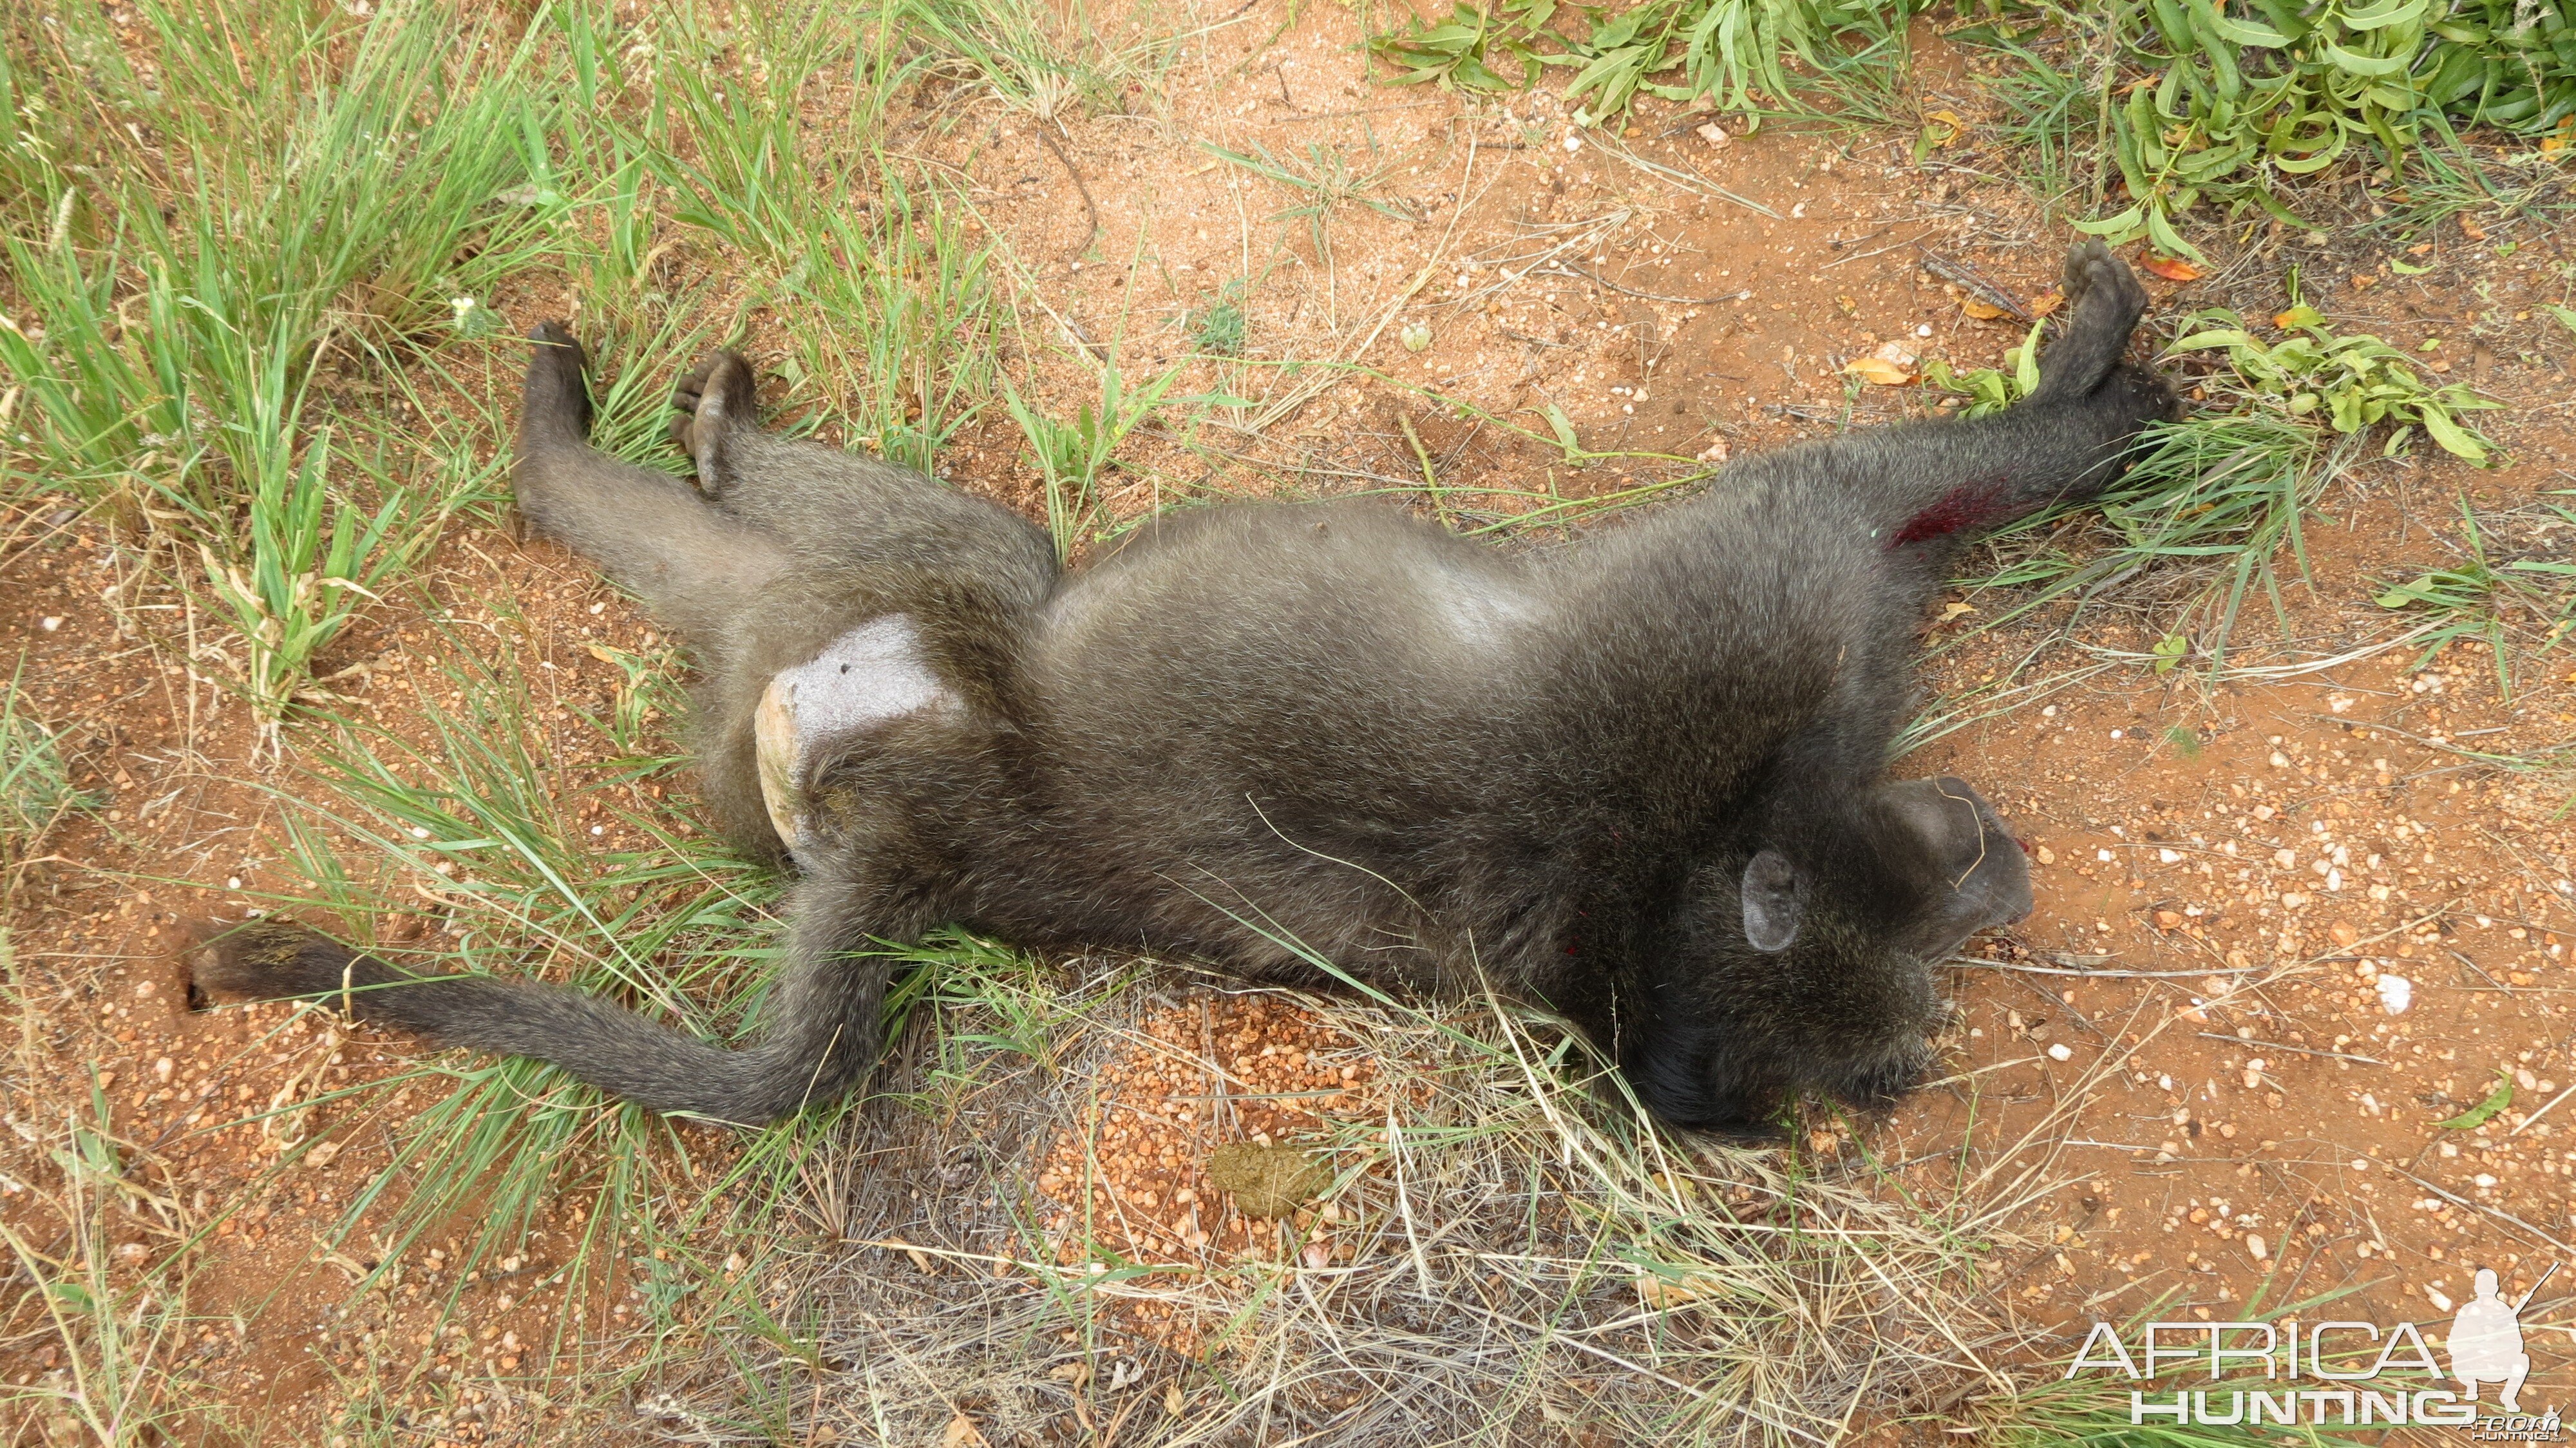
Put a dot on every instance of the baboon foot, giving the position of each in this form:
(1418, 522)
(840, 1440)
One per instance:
(714, 396)
(2103, 303)
(555, 402)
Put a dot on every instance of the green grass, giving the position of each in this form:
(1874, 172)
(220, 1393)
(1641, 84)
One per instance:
(2475, 598)
(35, 782)
(254, 290)
(1749, 57)
(180, 303)
(116, 1335)
(2225, 490)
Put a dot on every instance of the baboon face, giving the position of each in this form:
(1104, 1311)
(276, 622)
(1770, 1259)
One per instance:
(1808, 966)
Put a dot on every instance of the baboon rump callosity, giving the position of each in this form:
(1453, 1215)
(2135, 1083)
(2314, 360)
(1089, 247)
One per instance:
(1640, 778)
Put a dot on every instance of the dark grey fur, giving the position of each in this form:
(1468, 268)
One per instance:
(1640, 779)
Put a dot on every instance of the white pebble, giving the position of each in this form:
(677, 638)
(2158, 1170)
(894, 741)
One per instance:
(1573, 142)
(2169, 856)
(2059, 1052)
(2396, 992)
(50, 622)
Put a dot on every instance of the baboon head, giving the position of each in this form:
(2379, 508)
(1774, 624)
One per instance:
(1804, 963)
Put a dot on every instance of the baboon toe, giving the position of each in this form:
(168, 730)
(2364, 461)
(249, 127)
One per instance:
(724, 374)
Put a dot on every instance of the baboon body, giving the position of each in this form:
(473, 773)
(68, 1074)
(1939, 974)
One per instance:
(1639, 778)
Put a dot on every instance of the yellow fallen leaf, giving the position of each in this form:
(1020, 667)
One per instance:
(1982, 311)
(1659, 1292)
(2047, 302)
(1878, 370)
(1950, 119)
(1954, 608)
(961, 1433)
(2470, 229)
(602, 653)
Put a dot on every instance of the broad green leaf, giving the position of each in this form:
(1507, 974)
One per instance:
(2485, 1111)
(2242, 32)
(2125, 221)
(2373, 66)
(2455, 439)
(2397, 12)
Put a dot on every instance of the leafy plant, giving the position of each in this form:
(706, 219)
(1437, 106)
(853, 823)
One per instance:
(1071, 456)
(2355, 381)
(176, 314)
(1218, 330)
(2222, 103)
(312, 559)
(120, 1335)
(1735, 53)
(1991, 389)
(2231, 483)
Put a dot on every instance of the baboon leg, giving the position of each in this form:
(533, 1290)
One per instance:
(693, 565)
(820, 1032)
(840, 509)
(1926, 487)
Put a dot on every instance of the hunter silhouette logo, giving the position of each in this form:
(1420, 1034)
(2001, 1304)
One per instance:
(2486, 1340)
(2361, 1373)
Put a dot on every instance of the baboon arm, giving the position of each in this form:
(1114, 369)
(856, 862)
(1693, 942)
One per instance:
(821, 1022)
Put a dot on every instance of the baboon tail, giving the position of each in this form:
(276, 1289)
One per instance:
(822, 1018)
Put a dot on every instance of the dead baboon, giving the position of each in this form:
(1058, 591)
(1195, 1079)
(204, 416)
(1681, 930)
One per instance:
(1640, 778)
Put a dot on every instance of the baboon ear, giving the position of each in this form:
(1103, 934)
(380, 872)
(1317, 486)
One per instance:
(1980, 879)
(1771, 909)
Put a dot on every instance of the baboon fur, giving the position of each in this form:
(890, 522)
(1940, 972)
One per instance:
(1640, 779)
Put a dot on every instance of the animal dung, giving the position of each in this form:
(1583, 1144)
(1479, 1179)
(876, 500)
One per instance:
(1267, 1181)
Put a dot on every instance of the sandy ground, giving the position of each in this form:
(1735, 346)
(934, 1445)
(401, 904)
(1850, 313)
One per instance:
(2235, 874)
